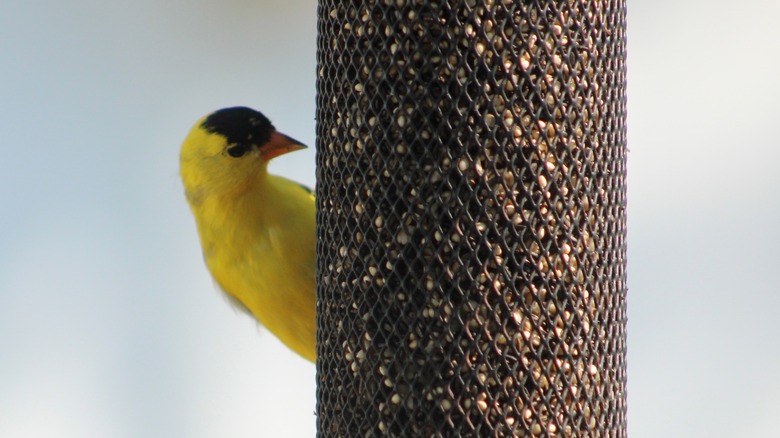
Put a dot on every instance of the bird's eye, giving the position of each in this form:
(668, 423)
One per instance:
(237, 150)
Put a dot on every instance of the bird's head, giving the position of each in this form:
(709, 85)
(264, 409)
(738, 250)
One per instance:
(229, 150)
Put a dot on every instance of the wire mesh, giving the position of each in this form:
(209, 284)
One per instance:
(471, 218)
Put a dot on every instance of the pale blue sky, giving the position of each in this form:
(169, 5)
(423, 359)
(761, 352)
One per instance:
(111, 326)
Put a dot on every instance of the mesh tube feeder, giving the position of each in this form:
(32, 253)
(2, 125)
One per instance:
(471, 218)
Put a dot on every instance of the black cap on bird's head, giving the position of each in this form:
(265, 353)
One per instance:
(245, 128)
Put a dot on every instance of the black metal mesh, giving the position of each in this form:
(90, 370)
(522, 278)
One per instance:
(471, 218)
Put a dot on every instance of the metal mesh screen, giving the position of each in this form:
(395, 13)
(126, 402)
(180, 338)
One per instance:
(471, 218)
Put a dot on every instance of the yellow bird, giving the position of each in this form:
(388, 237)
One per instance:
(257, 230)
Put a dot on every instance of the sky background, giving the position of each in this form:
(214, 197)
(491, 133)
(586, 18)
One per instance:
(110, 325)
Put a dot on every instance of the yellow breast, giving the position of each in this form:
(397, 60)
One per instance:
(260, 248)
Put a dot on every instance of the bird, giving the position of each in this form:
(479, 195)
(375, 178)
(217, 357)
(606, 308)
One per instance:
(257, 230)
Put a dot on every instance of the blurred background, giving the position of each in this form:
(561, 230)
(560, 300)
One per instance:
(110, 325)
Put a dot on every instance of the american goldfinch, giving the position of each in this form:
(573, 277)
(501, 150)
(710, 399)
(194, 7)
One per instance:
(257, 230)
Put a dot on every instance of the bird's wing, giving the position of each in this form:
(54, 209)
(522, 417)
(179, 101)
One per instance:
(306, 189)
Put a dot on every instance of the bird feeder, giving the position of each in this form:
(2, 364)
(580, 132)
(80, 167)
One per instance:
(471, 227)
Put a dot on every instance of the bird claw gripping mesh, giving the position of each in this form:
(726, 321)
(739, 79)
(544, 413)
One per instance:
(471, 218)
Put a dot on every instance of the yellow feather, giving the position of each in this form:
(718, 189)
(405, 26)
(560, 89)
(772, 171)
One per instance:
(257, 232)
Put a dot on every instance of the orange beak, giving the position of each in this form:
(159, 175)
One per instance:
(279, 144)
